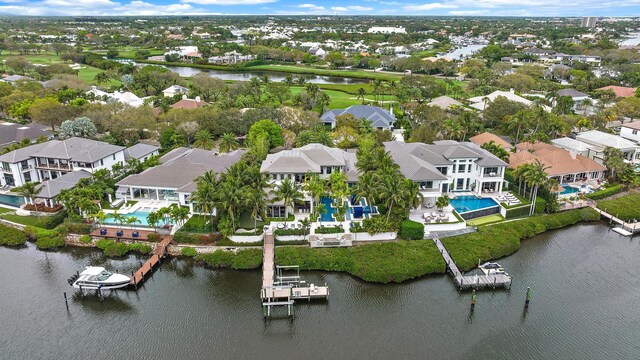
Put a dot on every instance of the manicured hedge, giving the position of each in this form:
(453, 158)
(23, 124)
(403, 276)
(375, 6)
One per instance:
(411, 230)
(50, 222)
(291, 232)
(85, 239)
(605, 193)
(75, 228)
(189, 238)
(495, 241)
(153, 237)
(523, 210)
(12, 237)
(381, 263)
(241, 260)
(329, 230)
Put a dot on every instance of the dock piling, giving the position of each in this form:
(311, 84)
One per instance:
(526, 302)
(473, 300)
(66, 302)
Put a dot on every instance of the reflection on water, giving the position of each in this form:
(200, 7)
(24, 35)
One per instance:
(584, 306)
(273, 76)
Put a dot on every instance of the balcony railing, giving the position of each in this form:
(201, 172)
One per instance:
(491, 174)
(55, 166)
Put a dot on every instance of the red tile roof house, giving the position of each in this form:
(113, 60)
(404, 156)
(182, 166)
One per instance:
(620, 91)
(189, 103)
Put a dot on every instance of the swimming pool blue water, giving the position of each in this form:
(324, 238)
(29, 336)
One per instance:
(567, 190)
(11, 200)
(141, 215)
(464, 204)
(327, 214)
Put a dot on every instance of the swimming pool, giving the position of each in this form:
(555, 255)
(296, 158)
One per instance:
(327, 214)
(568, 190)
(11, 200)
(469, 203)
(140, 215)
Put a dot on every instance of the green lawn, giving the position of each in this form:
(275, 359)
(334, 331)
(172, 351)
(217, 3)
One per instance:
(5, 210)
(25, 220)
(340, 99)
(625, 207)
(485, 220)
(246, 222)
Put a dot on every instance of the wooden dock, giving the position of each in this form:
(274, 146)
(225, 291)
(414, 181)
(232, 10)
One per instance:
(471, 281)
(628, 228)
(159, 252)
(279, 290)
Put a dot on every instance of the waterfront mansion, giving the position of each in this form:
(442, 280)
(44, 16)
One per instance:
(55, 158)
(449, 166)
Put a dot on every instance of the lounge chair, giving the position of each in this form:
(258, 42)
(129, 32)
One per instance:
(103, 232)
(119, 233)
(135, 234)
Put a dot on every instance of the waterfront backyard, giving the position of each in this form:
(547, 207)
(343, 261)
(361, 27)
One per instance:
(572, 272)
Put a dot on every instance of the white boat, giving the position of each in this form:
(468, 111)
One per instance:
(491, 268)
(95, 277)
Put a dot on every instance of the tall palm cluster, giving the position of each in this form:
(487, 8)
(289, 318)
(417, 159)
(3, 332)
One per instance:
(241, 188)
(533, 175)
(381, 181)
(172, 214)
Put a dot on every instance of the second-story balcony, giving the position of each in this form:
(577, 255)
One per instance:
(54, 166)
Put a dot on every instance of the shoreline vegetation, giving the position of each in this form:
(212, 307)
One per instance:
(389, 262)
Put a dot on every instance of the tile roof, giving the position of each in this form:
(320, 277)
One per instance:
(378, 117)
(571, 93)
(487, 137)
(78, 149)
(180, 167)
(139, 151)
(51, 188)
(311, 158)
(12, 132)
(620, 91)
(444, 102)
(559, 161)
(188, 104)
(632, 125)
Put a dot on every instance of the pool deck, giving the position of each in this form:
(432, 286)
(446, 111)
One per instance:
(127, 234)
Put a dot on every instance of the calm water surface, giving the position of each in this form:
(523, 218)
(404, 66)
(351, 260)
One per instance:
(273, 76)
(585, 306)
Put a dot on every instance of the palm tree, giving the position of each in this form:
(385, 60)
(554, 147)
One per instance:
(442, 202)
(228, 143)
(391, 192)
(179, 214)
(287, 192)
(257, 202)
(117, 218)
(204, 198)
(29, 190)
(414, 196)
(100, 216)
(153, 219)
(361, 93)
(497, 150)
(132, 220)
(306, 223)
(536, 176)
(230, 197)
(288, 80)
(203, 140)
(314, 186)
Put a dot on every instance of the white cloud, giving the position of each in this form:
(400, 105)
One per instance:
(430, 6)
(468, 12)
(100, 8)
(351, 8)
(311, 7)
(229, 2)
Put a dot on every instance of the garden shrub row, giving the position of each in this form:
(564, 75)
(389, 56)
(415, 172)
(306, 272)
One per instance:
(182, 237)
(188, 251)
(495, 241)
(605, 193)
(240, 260)
(411, 230)
(381, 263)
(329, 230)
(291, 232)
(523, 210)
(12, 237)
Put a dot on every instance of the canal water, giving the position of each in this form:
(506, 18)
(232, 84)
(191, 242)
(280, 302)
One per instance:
(584, 306)
(273, 76)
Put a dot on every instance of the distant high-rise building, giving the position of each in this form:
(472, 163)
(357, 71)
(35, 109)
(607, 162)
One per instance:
(589, 21)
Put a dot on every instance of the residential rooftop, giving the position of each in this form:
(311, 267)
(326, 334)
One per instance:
(558, 161)
(13, 133)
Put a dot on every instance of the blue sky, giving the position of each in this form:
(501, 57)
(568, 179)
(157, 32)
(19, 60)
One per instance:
(308, 7)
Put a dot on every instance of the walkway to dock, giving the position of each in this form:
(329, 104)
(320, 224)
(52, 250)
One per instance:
(470, 281)
(283, 290)
(161, 249)
(627, 227)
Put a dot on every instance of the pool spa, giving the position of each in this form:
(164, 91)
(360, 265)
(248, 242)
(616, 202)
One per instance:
(470, 207)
